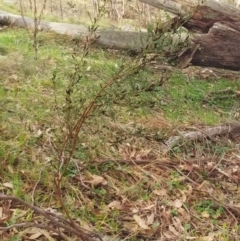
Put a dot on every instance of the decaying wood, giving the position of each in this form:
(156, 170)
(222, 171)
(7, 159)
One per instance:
(200, 135)
(184, 7)
(215, 29)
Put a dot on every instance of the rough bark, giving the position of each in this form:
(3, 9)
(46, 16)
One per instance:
(216, 28)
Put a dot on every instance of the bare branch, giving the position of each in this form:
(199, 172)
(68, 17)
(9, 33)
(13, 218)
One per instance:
(55, 219)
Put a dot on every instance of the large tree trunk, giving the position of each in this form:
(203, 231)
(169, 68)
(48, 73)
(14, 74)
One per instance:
(215, 28)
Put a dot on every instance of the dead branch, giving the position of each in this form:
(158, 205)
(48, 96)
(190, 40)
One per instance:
(200, 135)
(55, 219)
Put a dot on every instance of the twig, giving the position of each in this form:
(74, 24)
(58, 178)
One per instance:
(57, 220)
(35, 186)
(188, 178)
(216, 165)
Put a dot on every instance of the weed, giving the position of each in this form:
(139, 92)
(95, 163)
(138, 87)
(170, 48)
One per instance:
(15, 238)
(175, 182)
(174, 212)
(208, 207)
(187, 100)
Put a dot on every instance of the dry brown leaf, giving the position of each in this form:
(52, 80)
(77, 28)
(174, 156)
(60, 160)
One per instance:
(115, 205)
(183, 197)
(235, 169)
(31, 230)
(36, 235)
(203, 184)
(85, 225)
(145, 153)
(47, 235)
(237, 93)
(138, 157)
(177, 224)
(8, 185)
(173, 230)
(161, 193)
(189, 190)
(2, 216)
(132, 227)
(205, 214)
(178, 203)
(150, 219)
(207, 238)
(140, 222)
(186, 167)
(168, 235)
(18, 213)
(37, 232)
(222, 172)
(10, 169)
(134, 210)
(96, 180)
(185, 215)
(6, 211)
(133, 153)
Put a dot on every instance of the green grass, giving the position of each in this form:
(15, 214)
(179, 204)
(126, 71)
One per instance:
(187, 100)
(32, 119)
(27, 91)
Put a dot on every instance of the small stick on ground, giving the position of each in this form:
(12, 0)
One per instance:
(54, 219)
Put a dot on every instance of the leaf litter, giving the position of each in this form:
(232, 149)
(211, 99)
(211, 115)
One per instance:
(130, 190)
(147, 195)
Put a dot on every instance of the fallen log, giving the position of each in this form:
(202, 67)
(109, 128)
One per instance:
(215, 29)
(232, 129)
(108, 38)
